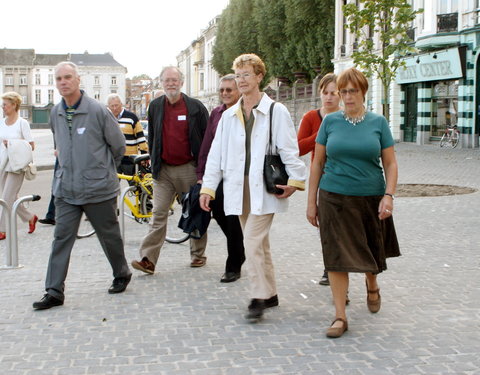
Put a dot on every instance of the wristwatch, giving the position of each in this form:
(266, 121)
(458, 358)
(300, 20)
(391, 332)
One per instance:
(390, 195)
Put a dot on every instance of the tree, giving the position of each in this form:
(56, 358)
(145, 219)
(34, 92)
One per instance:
(270, 19)
(386, 22)
(222, 54)
(236, 34)
(141, 76)
(289, 35)
(310, 35)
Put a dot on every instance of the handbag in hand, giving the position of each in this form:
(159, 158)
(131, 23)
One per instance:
(273, 168)
(31, 171)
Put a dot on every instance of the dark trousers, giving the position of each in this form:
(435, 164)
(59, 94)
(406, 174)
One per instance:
(127, 166)
(51, 206)
(230, 226)
(51, 209)
(103, 216)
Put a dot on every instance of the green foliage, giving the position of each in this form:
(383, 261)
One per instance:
(388, 20)
(236, 34)
(141, 76)
(270, 20)
(310, 35)
(289, 35)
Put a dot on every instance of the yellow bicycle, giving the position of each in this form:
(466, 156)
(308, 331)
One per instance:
(140, 203)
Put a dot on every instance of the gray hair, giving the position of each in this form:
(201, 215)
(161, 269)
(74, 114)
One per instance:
(228, 77)
(113, 96)
(182, 77)
(68, 63)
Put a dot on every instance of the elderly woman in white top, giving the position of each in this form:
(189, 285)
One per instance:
(13, 127)
(237, 156)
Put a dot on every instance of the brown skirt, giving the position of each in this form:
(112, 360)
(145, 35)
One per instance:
(353, 238)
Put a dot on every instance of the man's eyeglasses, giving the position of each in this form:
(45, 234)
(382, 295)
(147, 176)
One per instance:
(344, 92)
(244, 75)
(173, 80)
(228, 90)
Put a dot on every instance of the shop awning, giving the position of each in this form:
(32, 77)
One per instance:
(433, 66)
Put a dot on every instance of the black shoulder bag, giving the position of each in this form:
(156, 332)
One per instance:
(273, 168)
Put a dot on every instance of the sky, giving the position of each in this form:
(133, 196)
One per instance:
(142, 35)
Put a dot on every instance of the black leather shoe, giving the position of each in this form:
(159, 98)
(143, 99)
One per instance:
(255, 310)
(47, 221)
(119, 284)
(324, 280)
(271, 302)
(229, 277)
(47, 302)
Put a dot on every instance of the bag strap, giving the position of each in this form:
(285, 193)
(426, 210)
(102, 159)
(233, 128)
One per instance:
(270, 133)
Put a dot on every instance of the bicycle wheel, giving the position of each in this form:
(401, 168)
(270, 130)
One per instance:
(455, 138)
(146, 206)
(444, 140)
(85, 229)
(174, 233)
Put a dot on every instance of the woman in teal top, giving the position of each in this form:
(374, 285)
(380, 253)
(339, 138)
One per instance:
(354, 204)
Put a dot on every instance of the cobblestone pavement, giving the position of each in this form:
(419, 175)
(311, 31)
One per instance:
(184, 321)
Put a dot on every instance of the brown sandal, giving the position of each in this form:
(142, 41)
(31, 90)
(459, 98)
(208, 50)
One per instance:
(198, 263)
(373, 306)
(337, 332)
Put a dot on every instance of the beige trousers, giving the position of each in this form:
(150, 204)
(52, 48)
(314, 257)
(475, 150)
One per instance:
(259, 263)
(172, 179)
(10, 184)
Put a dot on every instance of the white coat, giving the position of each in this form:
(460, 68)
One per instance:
(226, 159)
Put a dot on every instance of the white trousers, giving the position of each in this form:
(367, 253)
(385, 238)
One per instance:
(10, 184)
(259, 263)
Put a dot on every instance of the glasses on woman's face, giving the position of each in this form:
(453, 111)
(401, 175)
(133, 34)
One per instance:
(228, 90)
(344, 92)
(244, 76)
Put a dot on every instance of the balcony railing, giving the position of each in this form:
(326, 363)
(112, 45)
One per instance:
(447, 22)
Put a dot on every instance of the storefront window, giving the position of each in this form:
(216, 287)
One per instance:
(444, 106)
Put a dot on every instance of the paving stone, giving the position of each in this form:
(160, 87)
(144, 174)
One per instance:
(184, 321)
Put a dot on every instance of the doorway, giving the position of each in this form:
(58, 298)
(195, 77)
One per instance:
(410, 131)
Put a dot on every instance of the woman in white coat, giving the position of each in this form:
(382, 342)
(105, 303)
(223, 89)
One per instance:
(237, 156)
(13, 127)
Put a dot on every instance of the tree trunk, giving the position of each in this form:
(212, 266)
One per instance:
(386, 102)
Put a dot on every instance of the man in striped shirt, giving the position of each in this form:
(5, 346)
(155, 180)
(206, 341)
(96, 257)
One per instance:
(131, 129)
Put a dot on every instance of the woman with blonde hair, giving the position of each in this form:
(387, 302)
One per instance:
(350, 195)
(237, 156)
(13, 127)
(312, 121)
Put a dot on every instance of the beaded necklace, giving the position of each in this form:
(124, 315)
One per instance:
(354, 120)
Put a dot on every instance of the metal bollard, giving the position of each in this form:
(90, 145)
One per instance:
(13, 227)
(8, 240)
(121, 210)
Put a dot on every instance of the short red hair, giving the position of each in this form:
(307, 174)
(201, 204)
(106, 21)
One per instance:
(355, 77)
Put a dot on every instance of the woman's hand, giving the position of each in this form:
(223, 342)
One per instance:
(205, 202)
(385, 208)
(5, 143)
(287, 191)
(312, 214)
